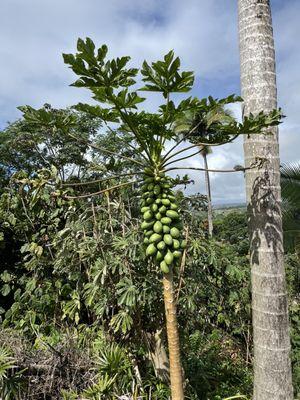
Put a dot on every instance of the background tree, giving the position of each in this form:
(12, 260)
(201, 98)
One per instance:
(290, 184)
(272, 365)
(207, 126)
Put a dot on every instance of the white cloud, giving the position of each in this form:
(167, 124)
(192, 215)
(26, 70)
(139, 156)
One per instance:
(34, 33)
(287, 32)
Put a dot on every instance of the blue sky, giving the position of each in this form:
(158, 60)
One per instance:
(34, 33)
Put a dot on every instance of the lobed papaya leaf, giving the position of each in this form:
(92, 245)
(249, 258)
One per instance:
(164, 76)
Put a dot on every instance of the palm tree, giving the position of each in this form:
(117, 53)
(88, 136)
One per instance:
(290, 186)
(205, 125)
(204, 151)
(272, 365)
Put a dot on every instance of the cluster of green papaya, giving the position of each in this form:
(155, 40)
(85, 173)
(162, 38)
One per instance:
(161, 223)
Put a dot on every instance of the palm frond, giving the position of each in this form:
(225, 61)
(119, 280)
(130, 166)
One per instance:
(6, 363)
(290, 185)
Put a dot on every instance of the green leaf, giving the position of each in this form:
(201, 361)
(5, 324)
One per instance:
(164, 76)
(5, 290)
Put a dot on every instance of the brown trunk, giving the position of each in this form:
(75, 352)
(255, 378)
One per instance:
(272, 366)
(173, 338)
(208, 191)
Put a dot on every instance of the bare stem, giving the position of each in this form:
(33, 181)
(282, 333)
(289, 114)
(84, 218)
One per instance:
(183, 158)
(128, 144)
(209, 170)
(83, 196)
(180, 141)
(165, 158)
(181, 151)
(100, 180)
(96, 147)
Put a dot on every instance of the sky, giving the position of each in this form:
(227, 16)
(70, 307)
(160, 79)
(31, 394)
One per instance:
(34, 34)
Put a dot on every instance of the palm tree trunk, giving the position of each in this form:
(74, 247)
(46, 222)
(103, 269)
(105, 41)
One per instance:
(272, 366)
(208, 192)
(173, 338)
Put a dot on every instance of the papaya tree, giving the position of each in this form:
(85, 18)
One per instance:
(112, 84)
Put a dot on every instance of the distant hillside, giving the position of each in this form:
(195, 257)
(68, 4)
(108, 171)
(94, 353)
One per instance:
(229, 207)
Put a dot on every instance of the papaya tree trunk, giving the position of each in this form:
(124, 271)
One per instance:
(173, 338)
(208, 193)
(272, 366)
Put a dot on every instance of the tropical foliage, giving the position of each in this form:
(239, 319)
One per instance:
(290, 182)
(81, 307)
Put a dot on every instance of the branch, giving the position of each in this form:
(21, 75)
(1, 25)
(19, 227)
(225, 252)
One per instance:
(100, 180)
(83, 196)
(124, 116)
(181, 151)
(25, 211)
(239, 169)
(128, 144)
(181, 140)
(106, 151)
(182, 158)
(165, 158)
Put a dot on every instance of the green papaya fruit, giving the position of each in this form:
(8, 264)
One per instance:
(148, 180)
(158, 216)
(158, 201)
(154, 207)
(183, 244)
(156, 189)
(166, 229)
(162, 209)
(171, 197)
(158, 227)
(164, 267)
(147, 215)
(150, 187)
(149, 200)
(146, 225)
(168, 239)
(146, 240)
(173, 206)
(144, 209)
(161, 245)
(146, 194)
(169, 258)
(175, 232)
(151, 250)
(159, 256)
(148, 233)
(176, 244)
(166, 202)
(172, 214)
(155, 237)
(164, 195)
(166, 220)
(177, 254)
